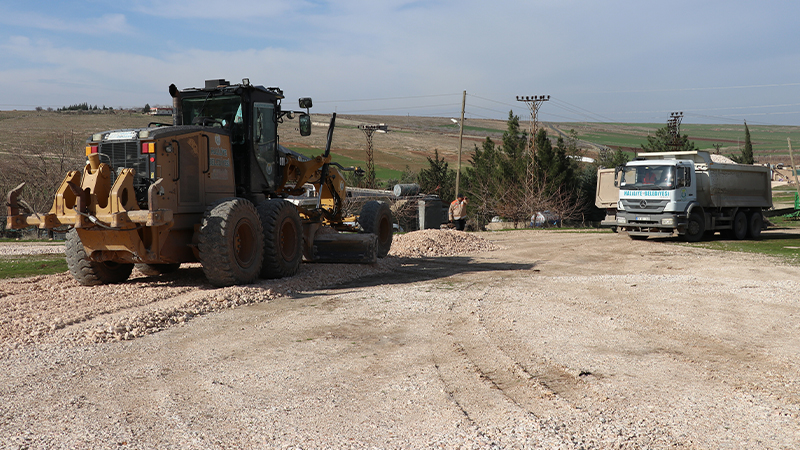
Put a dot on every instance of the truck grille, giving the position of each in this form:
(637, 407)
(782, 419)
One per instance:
(647, 206)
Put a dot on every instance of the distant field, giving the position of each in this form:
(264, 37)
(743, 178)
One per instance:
(769, 142)
(409, 142)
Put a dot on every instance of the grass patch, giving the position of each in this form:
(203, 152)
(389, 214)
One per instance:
(786, 246)
(31, 265)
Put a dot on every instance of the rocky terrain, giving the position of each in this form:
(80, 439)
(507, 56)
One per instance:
(521, 339)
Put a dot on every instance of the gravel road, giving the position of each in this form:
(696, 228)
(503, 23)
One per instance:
(531, 340)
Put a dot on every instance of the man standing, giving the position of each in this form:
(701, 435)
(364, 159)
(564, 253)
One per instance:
(458, 212)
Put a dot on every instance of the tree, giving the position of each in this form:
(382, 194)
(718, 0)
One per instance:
(146, 108)
(514, 167)
(747, 152)
(482, 180)
(438, 178)
(553, 169)
(608, 158)
(662, 142)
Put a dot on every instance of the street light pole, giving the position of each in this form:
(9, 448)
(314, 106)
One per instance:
(460, 142)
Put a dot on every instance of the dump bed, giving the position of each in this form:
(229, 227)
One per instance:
(607, 192)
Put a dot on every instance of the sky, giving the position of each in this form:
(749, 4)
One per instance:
(720, 62)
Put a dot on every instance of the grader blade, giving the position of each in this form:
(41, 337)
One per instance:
(345, 248)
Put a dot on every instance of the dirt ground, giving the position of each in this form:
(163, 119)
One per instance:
(553, 340)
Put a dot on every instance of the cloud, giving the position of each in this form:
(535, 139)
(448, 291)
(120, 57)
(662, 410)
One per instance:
(95, 26)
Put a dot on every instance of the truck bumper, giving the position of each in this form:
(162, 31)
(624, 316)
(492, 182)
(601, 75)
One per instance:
(656, 225)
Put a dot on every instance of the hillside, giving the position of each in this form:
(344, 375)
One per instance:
(409, 142)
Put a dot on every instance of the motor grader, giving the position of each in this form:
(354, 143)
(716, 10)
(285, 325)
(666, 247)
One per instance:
(212, 187)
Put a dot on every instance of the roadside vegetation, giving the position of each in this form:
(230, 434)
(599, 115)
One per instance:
(31, 265)
(39, 147)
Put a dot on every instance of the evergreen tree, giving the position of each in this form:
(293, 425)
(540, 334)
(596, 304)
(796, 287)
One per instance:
(438, 178)
(662, 142)
(514, 166)
(553, 170)
(609, 158)
(747, 152)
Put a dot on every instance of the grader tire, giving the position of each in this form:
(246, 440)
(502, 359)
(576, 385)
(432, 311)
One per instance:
(231, 243)
(376, 218)
(88, 272)
(152, 270)
(283, 238)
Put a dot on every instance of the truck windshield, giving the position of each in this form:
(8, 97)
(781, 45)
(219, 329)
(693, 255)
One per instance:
(213, 111)
(648, 177)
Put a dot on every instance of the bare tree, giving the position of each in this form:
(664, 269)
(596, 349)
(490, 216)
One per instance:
(41, 167)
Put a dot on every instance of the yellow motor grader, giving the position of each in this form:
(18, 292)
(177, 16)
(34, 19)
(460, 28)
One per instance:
(213, 187)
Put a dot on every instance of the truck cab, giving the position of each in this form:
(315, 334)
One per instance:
(655, 196)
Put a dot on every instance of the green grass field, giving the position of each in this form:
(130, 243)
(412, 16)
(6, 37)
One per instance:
(769, 142)
(784, 245)
(31, 265)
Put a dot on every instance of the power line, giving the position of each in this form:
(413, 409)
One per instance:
(387, 98)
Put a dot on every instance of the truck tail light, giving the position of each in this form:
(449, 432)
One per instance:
(148, 147)
(91, 149)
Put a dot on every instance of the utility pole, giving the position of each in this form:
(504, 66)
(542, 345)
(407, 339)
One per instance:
(674, 127)
(534, 103)
(460, 142)
(368, 131)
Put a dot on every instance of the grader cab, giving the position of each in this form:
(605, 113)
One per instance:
(212, 187)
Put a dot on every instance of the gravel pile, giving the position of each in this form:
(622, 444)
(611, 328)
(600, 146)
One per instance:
(426, 243)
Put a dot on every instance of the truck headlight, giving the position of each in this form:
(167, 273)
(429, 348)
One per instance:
(667, 221)
(622, 220)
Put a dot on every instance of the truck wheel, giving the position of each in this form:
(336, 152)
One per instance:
(754, 225)
(283, 238)
(152, 270)
(695, 227)
(739, 226)
(376, 218)
(231, 243)
(88, 272)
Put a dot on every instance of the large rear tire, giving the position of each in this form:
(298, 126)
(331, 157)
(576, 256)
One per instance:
(376, 218)
(739, 226)
(231, 243)
(88, 272)
(754, 225)
(695, 227)
(283, 238)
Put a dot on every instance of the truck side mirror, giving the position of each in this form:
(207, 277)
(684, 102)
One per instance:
(305, 102)
(305, 124)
